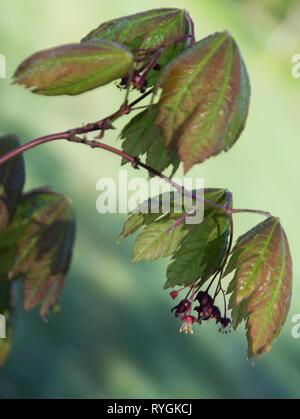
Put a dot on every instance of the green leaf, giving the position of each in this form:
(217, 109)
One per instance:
(155, 241)
(159, 157)
(147, 30)
(261, 287)
(197, 249)
(141, 136)
(155, 204)
(186, 266)
(176, 205)
(8, 310)
(134, 222)
(201, 251)
(205, 99)
(75, 68)
(12, 178)
(140, 132)
(217, 196)
(142, 30)
(44, 225)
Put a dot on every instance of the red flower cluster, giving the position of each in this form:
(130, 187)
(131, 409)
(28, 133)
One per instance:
(206, 310)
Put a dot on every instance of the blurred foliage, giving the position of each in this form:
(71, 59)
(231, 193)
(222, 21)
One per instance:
(276, 8)
(115, 336)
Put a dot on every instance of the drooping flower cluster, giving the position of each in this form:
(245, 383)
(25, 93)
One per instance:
(206, 310)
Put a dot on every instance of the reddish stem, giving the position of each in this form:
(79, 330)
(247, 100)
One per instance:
(192, 29)
(235, 211)
(103, 125)
(70, 135)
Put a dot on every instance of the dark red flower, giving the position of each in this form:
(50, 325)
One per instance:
(216, 314)
(225, 322)
(204, 298)
(204, 311)
(182, 307)
(225, 325)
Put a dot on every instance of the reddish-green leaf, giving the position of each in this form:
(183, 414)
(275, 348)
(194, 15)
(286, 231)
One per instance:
(261, 287)
(205, 98)
(147, 30)
(12, 178)
(75, 68)
(45, 228)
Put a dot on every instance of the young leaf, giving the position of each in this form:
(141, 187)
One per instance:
(186, 266)
(142, 136)
(147, 30)
(174, 202)
(140, 132)
(159, 157)
(45, 223)
(201, 251)
(8, 310)
(12, 178)
(155, 240)
(75, 68)
(261, 287)
(197, 249)
(205, 98)
(134, 222)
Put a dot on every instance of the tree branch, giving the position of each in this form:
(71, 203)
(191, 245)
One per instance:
(73, 135)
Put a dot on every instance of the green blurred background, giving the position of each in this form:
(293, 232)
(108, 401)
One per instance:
(115, 336)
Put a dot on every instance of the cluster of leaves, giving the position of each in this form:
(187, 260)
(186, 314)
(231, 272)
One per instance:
(200, 98)
(37, 231)
(196, 250)
(204, 85)
(261, 261)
